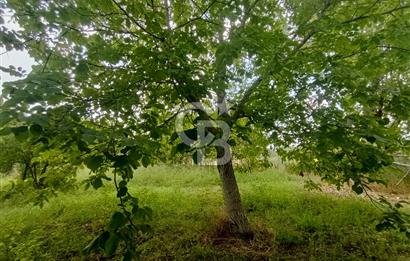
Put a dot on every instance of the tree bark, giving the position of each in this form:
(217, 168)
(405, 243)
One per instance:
(233, 206)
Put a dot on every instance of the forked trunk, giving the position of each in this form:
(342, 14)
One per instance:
(233, 205)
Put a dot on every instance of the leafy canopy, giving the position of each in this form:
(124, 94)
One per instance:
(326, 80)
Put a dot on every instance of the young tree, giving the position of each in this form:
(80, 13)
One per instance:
(327, 81)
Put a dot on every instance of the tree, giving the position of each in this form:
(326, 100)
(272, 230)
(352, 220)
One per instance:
(42, 171)
(326, 82)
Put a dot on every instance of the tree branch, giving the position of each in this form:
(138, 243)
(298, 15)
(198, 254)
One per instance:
(361, 17)
(198, 17)
(258, 81)
(394, 47)
(137, 23)
(167, 13)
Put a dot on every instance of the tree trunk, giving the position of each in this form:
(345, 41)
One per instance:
(233, 206)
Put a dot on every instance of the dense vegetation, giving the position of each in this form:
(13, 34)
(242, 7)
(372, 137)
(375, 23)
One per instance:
(289, 221)
(120, 85)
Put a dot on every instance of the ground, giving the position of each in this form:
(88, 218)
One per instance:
(291, 223)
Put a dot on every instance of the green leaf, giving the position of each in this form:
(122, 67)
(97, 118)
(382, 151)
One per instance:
(82, 70)
(96, 182)
(182, 147)
(145, 161)
(121, 161)
(118, 219)
(384, 121)
(5, 131)
(82, 146)
(92, 246)
(21, 133)
(5, 117)
(122, 183)
(357, 188)
(111, 244)
(383, 226)
(97, 243)
(242, 122)
(36, 130)
(122, 191)
(155, 133)
(174, 136)
(232, 142)
(191, 133)
(133, 157)
(94, 162)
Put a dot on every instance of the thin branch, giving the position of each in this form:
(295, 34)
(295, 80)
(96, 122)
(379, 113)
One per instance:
(394, 47)
(167, 13)
(170, 118)
(198, 17)
(407, 173)
(18, 45)
(46, 62)
(137, 23)
(259, 80)
(391, 11)
(372, 200)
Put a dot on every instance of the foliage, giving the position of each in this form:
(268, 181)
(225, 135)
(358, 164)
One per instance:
(393, 218)
(10, 154)
(41, 173)
(327, 81)
(252, 153)
(123, 225)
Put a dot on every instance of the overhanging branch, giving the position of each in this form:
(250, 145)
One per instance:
(239, 107)
(361, 17)
(198, 17)
(140, 26)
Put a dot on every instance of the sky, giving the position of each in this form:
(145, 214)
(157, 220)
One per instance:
(15, 58)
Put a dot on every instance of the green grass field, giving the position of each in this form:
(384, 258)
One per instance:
(290, 222)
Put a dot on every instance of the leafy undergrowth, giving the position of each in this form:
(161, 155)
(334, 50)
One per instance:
(289, 222)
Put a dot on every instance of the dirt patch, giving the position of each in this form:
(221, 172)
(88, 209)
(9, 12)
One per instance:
(222, 237)
(375, 193)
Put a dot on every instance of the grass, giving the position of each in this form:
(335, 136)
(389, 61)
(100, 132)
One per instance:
(290, 222)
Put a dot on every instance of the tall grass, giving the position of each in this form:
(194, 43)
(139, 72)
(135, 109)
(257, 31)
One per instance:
(291, 223)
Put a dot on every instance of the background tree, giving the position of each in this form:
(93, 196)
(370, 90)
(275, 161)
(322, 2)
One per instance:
(326, 81)
(41, 172)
